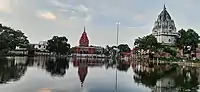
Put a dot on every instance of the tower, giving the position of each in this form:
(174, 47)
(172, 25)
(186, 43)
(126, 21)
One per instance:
(164, 28)
(84, 41)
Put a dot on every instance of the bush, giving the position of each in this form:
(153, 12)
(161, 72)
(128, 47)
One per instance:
(172, 52)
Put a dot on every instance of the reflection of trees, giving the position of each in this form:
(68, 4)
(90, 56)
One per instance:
(54, 66)
(58, 67)
(149, 76)
(123, 66)
(109, 63)
(10, 71)
(186, 80)
(148, 79)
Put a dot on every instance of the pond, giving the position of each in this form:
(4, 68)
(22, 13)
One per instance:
(48, 74)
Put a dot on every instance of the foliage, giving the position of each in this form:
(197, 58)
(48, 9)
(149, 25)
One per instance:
(58, 45)
(172, 52)
(148, 42)
(187, 38)
(181, 38)
(124, 48)
(10, 39)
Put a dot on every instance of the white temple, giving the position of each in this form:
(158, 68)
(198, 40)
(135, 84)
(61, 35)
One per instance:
(164, 28)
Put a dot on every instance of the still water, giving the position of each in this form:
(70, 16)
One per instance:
(44, 74)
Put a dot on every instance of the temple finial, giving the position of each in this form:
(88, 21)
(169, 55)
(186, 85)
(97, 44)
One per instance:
(84, 28)
(164, 7)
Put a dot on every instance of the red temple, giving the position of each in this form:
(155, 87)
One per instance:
(84, 50)
(84, 41)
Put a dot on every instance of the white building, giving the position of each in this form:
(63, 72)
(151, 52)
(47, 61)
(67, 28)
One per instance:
(164, 28)
(42, 46)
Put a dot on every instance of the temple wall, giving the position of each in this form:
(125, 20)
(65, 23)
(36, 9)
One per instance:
(166, 39)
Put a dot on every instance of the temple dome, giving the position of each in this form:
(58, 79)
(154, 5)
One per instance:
(84, 41)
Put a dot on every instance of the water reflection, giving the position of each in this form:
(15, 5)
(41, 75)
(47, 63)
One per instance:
(93, 74)
(167, 77)
(83, 64)
(123, 66)
(11, 70)
(57, 67)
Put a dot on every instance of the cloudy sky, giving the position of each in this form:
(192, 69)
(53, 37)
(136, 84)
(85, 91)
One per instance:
(41, 19)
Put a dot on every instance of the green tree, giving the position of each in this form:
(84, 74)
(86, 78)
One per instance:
(107, 50)
(187, 38)
(148, 42)
(192, 39)
(181, 38)
(172, 52)
(10, 39)
(124, 48)
(58, 45)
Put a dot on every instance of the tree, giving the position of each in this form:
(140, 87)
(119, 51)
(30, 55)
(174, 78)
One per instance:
(192, 39)
(181, 38)
(187, 38)
(107, 50)
(10, 39)
(148, 42)
(124, 48)
(3, 45)
(58, 45)
(172, 52)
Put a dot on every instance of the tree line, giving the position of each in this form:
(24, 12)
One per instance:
(187, 41)
(10, 39)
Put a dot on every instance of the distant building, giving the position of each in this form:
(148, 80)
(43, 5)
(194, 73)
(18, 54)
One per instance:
(41, 46)
(84, 50)
(164, 28)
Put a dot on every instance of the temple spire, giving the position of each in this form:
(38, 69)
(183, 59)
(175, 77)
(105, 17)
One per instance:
(84, 29)
(84, 41)
(164, 7)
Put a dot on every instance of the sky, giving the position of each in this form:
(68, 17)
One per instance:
(40, 20)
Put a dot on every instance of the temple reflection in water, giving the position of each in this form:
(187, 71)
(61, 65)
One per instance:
(167, 77)
(83, 64)
(157, 78)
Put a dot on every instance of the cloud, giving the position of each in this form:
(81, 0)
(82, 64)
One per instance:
(58, 4)
(47, 15)
(80, 12)
(139, 17)
(136, 17)
(5, 6)
(82, 8)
